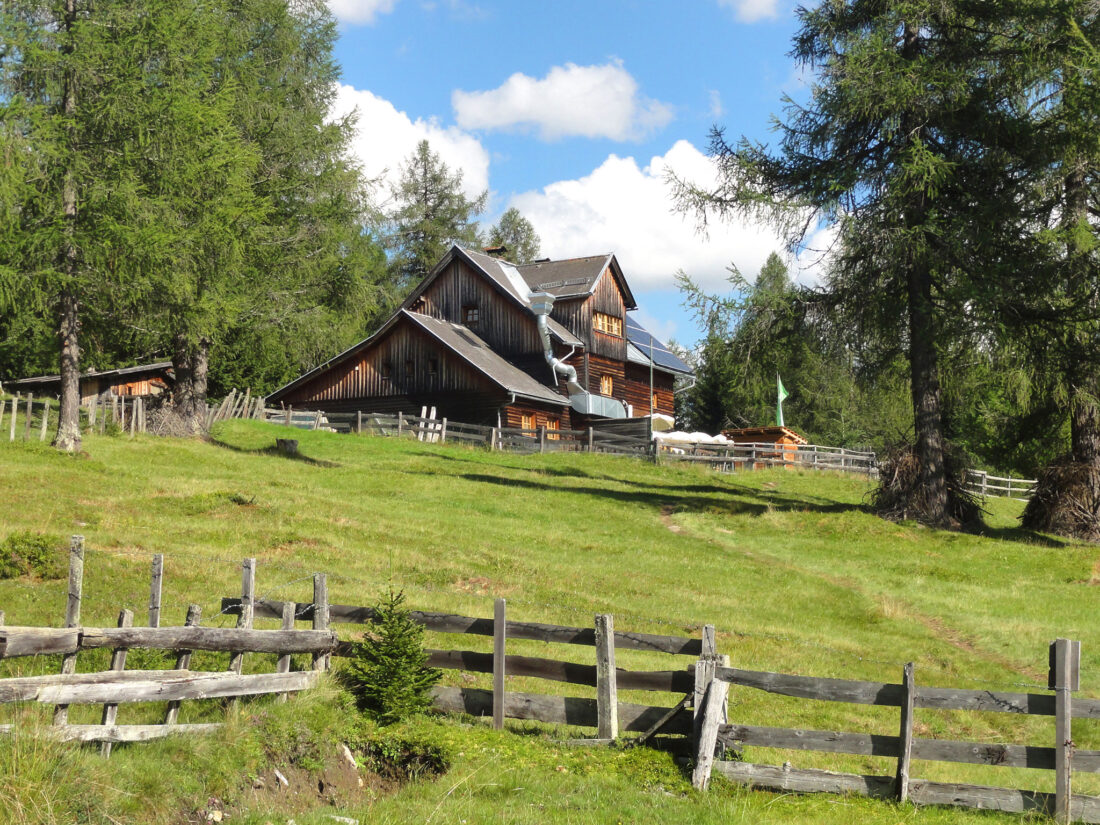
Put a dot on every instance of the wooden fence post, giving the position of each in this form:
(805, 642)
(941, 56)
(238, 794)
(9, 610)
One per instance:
(283, 665)
(320, 616)
(317, 420)
(492, 439)
(30, 412)
(714, 702)
(244, 619)
(1064, 678)
(155, 583)
(709, 645)
(443, 431)
(118, 662)
(542, 439)
(591, 438)
(607, 692)
(358, 422)
(183, 661)
(14, 415)
(400, 422)
(45, 420)
(72, 614)
(499, 661)
(905, 735)
(289, 415)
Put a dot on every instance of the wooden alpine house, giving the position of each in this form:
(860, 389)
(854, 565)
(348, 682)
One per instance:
(484, 341)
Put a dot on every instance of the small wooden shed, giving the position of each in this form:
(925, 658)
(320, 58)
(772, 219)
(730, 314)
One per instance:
(786, 442)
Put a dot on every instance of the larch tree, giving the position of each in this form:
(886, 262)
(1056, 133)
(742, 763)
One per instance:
(1059, 305)
(73, 119)
(886, 148)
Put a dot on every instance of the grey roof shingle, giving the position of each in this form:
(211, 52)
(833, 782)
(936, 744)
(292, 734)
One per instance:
(570, 278)
(465, 344)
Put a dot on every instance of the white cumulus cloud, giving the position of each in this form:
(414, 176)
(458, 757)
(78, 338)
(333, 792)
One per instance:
(750, 11)
(584, 101)
(385, 137)
(360, 11)
(625, 208)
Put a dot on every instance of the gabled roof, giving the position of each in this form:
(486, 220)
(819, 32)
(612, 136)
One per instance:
(574, 277)
(159, 366)
(641, 343)
(460, 341)
(504, 276)
(474, 351)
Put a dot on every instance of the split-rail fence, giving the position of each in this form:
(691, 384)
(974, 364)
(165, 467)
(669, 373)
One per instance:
(632, 438)
(697, 724)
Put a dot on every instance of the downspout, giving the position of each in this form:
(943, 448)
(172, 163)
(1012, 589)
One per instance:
(541, 304)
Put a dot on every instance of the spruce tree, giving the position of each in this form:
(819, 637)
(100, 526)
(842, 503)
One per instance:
(517, 235)
(430, 212)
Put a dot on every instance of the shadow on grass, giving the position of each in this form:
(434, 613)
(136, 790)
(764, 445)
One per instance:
(1023, 535)
(273, 451)
(727, 499)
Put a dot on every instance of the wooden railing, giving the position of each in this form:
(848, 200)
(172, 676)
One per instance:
(750, 456)
(117, 686)
(985, 485)
(1058, 756)
(604, 712)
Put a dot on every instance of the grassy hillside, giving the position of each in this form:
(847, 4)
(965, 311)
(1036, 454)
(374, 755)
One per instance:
(789, 566)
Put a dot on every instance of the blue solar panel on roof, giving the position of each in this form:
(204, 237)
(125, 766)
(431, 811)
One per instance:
(640, 337)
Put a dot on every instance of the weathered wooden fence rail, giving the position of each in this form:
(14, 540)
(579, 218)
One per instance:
(631, 438)
(603, 712)
(1059, 756)
(118, 686)
(985, 485)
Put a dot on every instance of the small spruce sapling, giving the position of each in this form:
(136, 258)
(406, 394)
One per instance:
(387, 672)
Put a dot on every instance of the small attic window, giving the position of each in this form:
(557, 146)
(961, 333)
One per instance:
(471, 315)
(433, 366)
(418, 305)
(387, 370)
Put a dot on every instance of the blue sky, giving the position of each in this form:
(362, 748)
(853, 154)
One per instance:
(573, 112)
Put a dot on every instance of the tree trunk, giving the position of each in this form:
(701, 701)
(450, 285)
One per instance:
(68, 422)
(191, 365)
(931, 494)
(927, 407)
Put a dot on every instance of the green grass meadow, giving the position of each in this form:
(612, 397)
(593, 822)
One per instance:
(790, 567)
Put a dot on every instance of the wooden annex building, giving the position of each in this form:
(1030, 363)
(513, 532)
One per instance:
(143, 380)
(484, 341)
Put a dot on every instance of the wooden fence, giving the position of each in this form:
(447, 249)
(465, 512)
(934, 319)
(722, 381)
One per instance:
(118, 686)
(441, 430)
(985, 485)
(28, 417)
(698, 721)
(755, 456)
(604, 712)
(700, 717)
(630, 438)
(1059, 755)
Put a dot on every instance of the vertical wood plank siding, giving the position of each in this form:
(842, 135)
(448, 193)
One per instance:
(636, 390)
(507, 329)
(576, 315)
(409, 353)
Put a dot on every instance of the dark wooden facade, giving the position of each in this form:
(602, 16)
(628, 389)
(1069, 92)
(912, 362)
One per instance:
(404, 368)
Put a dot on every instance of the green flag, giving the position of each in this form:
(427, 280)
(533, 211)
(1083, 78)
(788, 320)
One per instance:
(781, 393)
